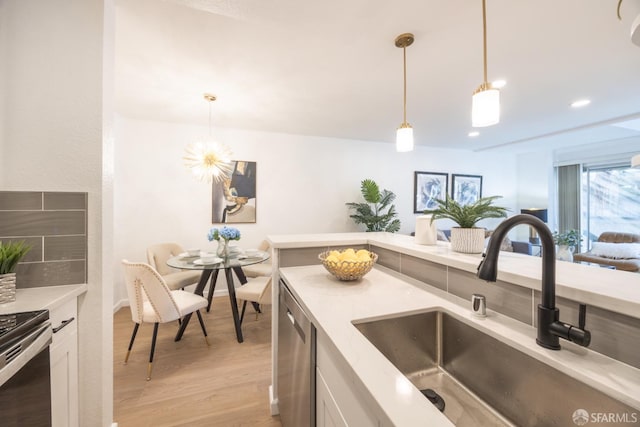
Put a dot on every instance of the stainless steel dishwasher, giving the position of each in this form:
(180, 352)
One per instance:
(296, 363)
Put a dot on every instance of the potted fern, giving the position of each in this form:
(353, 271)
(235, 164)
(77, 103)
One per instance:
(10, 255)
(372, 212)
(467, 238)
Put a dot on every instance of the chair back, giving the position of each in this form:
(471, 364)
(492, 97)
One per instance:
(157, 256)
(613, 237)
(265, 296)
(141, 279)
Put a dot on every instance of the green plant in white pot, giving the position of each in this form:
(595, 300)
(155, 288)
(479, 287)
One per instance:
(10, 255)
(467, 238)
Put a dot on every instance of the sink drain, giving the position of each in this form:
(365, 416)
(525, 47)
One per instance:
(434, 398)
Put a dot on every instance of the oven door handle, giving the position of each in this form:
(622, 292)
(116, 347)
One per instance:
(20, 352)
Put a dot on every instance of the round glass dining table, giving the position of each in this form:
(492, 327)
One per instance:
(230, 264)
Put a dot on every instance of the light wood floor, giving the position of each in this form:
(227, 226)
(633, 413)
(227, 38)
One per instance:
(226, 384)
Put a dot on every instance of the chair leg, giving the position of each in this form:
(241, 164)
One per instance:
(256, 307)
(204, 330)
(153, 349)
(133, 338)
(244, 307)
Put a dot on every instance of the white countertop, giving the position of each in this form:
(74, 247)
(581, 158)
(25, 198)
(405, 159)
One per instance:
(613, 290)
(47, 297)
(333, 305)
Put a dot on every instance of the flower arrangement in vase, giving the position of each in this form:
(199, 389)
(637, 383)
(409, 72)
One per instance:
(222, 236)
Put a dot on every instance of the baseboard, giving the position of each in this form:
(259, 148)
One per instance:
(114, 424)
(273, 402)
(122, 303)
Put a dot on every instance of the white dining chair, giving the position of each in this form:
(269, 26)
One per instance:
(151, 301)
(264, 269)
(157, 256)
(257, 290)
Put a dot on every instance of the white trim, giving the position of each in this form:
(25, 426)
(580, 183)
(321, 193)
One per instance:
(122, 303)
(273, 402)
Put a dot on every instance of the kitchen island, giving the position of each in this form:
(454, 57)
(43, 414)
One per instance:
(370, 382)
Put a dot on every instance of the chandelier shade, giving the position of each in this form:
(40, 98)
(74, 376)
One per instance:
(485, 107)
(404, 138)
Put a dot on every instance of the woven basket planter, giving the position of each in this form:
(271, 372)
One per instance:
(467, 240)
(7, 287)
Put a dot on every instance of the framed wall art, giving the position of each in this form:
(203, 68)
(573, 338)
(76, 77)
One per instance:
(466, 189)
(427, 187)
(234, 198)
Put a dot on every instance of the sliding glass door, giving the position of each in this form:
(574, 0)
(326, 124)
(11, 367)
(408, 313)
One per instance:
(610, 200)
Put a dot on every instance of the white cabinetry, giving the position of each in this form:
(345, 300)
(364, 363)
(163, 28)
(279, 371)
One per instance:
(340, 400)
(64, 364)
(327, 411)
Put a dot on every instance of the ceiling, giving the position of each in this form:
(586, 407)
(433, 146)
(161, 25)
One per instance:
(330, 68)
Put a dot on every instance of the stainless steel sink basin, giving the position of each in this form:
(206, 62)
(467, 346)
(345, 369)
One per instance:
(483, 381)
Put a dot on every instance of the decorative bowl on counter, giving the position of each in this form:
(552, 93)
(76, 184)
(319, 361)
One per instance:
(348, 264)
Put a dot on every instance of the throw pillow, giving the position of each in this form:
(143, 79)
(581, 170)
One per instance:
(616, 250)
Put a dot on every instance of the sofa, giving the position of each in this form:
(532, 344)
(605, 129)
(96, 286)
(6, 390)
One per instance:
(619, 250)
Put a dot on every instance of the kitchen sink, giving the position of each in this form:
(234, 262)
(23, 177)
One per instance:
(482, 381)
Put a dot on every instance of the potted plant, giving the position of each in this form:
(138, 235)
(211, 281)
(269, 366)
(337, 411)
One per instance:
(567, 242)
(372, 212)
(467, 238)
(10, 255)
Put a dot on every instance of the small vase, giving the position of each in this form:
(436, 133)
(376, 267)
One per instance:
(223, 249)
(565, 253)
(7, 287)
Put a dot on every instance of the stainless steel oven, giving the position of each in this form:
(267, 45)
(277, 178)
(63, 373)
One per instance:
(25, 381)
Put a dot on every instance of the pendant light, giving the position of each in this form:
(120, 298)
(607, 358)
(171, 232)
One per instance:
(485, 105)
(404, 135)
(209, 160)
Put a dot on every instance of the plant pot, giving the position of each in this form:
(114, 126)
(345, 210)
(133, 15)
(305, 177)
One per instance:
(565, 253)
(7, 287)
(467, 240)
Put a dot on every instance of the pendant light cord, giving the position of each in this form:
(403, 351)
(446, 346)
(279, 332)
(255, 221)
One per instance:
(484, 38)
(209, 119)
(404, 105)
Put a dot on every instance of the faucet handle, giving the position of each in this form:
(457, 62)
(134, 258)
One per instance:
(478, 305)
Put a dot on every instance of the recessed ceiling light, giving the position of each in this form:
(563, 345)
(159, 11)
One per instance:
(580, 103)
(498, 84)
(474, 134)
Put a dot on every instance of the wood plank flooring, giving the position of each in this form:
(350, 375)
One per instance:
(226, 384)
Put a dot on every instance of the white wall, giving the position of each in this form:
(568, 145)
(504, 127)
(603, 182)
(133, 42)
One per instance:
(303, 184)
(51, 65)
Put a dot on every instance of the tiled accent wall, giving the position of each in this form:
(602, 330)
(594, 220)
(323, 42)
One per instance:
(54, 224)
(613, 334)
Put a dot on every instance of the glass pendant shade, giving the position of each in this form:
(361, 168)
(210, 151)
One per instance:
(485, 107)
(404, 138)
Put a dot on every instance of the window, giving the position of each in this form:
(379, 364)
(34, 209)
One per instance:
(610, 200)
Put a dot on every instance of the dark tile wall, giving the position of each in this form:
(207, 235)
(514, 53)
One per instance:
(613, 334)
(54, 224)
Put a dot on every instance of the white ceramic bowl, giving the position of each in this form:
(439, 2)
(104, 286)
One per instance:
(252, 252)
(193, 252)
(209, 259)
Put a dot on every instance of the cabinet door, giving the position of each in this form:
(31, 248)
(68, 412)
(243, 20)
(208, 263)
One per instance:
(64, 366)
(327, 411)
